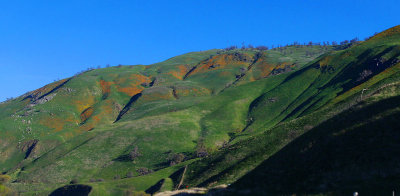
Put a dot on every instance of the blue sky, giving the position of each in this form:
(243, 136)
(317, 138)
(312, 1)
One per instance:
(41, 41)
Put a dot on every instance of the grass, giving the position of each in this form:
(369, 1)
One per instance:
(241, 106)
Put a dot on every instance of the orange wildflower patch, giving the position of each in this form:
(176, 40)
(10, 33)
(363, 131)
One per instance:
(105, 87)
(86, 102)
(56, 124)
(182, 70)
(86, 114)
(266, 69)
(133, 84)
(93, 122)
(99, 115)
(219, 62)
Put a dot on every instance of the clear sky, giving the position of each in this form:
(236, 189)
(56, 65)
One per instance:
(41, 41)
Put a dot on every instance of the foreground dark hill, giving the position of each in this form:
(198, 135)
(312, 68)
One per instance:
(213, 117)
(354, 151)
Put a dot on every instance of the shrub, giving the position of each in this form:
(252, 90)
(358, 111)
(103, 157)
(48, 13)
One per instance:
(201, 151)
(231, 48)
(116, 177)
(355, 40)
(144, 171)
(134, 153)
(175, 158)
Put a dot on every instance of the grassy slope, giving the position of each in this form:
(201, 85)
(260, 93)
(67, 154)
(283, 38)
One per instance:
(203, 99)
(232, 163)
(175, 114)
(236, 160)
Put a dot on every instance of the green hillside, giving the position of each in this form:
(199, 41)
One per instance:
(297, 119)
(347, 112)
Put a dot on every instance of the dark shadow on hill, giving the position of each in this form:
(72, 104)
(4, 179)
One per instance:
(155, 188)
(75, 190)
(176, 176)
(353, 74)
(357, 150)
(128, 106)
(365, 67)
(123, 158)
(31, 145)
(48, 93)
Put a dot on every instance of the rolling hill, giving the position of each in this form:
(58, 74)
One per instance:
(300, 119)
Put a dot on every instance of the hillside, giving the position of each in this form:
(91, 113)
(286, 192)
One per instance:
(215, 117)
(316, 152)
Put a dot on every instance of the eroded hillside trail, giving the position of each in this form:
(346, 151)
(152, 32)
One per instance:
(182, 178)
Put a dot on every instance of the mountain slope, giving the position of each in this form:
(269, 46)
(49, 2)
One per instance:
(221, 112)
(380, 86)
